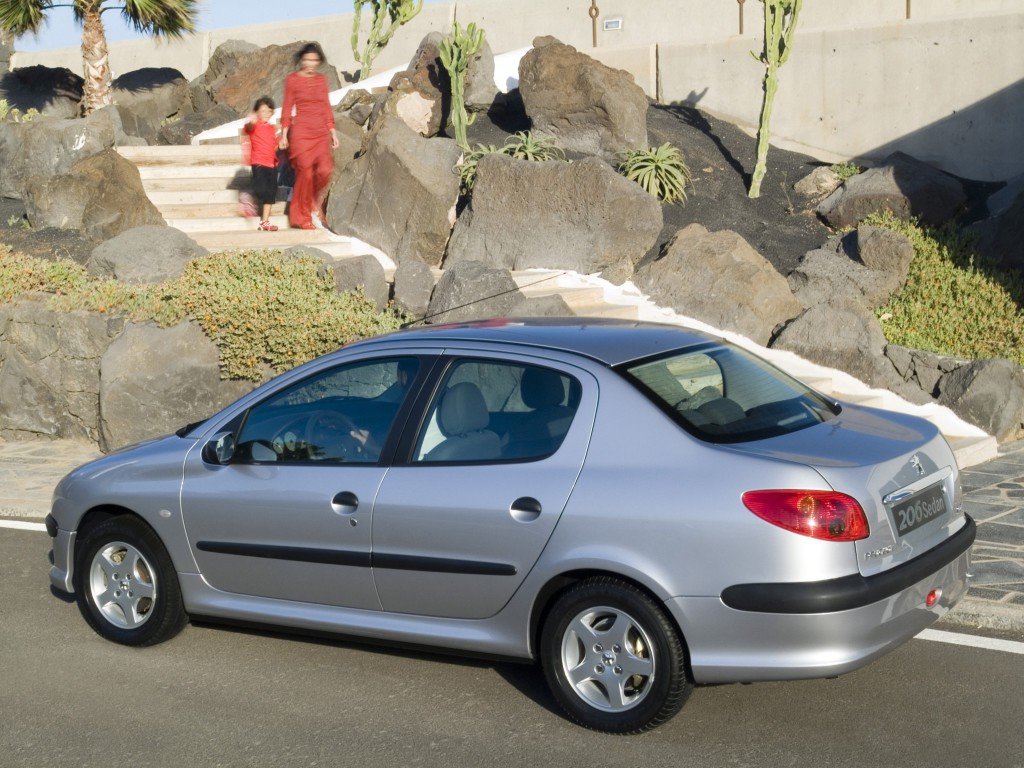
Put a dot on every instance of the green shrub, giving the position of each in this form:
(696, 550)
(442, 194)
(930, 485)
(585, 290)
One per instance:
(17, 116)
(955, 302)
(846, 170)
(662, 171)
(261, 309)
(470, 160)
(522, 145)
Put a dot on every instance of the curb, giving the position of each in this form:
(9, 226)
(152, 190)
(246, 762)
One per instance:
(975, 613)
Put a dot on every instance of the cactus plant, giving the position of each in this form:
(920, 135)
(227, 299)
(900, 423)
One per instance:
(780, 19)
(388, 16)
(457, 50)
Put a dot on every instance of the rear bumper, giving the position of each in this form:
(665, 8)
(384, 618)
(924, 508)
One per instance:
(848, 592)
(731, 645)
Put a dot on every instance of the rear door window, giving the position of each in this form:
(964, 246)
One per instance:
(721, 393)
(493, 411)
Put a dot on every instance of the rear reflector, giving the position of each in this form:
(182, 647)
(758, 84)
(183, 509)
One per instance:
(933, 597)
(825, 515)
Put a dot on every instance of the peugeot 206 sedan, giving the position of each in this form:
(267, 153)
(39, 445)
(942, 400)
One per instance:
(638, 507)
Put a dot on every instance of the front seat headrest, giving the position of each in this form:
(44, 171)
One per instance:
(463, 410)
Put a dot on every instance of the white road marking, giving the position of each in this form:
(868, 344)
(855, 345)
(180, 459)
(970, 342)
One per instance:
(20, 525)
(974, 641)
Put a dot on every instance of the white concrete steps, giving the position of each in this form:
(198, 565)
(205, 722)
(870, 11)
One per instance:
(195, 197)
(169, 173)
(223, 224)
(236, 183)
(973, 450)
(285, 238)
(217, 211)
(583, 301)
(187, 156)
(196, 190)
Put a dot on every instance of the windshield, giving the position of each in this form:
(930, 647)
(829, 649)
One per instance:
(721, 393)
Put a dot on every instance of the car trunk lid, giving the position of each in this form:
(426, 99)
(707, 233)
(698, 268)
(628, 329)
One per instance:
(898, 467)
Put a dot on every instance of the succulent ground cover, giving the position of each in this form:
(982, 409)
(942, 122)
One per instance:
(263, 310)
(955, 302)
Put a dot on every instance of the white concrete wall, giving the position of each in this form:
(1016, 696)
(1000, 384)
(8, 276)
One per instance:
(950, 94)
(944, 86)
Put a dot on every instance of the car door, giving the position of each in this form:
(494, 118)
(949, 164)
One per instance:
(483, 479)
(289, 516)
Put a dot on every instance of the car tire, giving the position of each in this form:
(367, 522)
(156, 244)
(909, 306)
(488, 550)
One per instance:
(595, 634)
(126, 585)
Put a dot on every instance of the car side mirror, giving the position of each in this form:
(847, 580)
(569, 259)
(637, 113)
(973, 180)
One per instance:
(221, 449)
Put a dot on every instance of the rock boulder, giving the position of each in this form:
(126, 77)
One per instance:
(180, 131)
(473, 290)
(419, 95)
(988, 394)
(399, 195)
(844, 335)
(587, 106)
(818, 183)
(260, 73)
(867, 266)
(920, 368)
(44, 149)
(50, 370)
(362, 273)
(581, 216)
(148, 254)
(54, 91)
(169, 375)
(101, 196)
(414, 283)
(902, 184)
(147, 98)
(718, 278)
(1001, 238)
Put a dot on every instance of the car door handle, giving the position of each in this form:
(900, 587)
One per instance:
(345, 502)
(524, 509)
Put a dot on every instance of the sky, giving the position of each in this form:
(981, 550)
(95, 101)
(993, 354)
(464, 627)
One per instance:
(61, 31)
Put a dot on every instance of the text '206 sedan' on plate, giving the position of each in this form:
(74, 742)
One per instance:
(638, 507)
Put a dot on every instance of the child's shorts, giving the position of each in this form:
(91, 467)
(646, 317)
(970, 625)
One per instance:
(264, 184)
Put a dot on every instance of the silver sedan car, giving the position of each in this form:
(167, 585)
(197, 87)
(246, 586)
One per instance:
(638, 507)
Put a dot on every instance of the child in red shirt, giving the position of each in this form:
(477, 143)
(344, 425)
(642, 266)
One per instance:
(262, 139)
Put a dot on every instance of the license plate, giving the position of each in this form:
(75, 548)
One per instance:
(919, 510)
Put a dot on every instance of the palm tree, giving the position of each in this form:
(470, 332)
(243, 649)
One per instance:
(160, 18)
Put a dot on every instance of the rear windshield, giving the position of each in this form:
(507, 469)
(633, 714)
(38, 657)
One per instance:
(724, 394)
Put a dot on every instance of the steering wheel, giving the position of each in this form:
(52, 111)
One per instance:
(329, 435)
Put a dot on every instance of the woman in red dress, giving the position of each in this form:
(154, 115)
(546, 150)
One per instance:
(309, 136)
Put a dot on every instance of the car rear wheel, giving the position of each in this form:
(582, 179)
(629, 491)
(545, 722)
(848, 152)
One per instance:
(126, 584)
(612, 658)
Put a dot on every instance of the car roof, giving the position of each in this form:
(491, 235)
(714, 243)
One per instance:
(608, 341)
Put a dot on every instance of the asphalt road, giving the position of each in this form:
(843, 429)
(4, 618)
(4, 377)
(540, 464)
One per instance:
(222, 697)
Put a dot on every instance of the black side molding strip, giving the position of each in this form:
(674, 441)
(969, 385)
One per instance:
(441, 565)
(359, 559)
(848, 592)
(276, 552)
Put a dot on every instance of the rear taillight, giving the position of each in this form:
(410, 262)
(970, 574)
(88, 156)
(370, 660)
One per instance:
(825, 515)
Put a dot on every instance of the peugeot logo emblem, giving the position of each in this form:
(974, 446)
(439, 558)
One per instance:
(915, 462)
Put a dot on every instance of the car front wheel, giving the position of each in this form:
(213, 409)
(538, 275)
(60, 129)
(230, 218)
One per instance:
(126, 584)
(612, 658)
